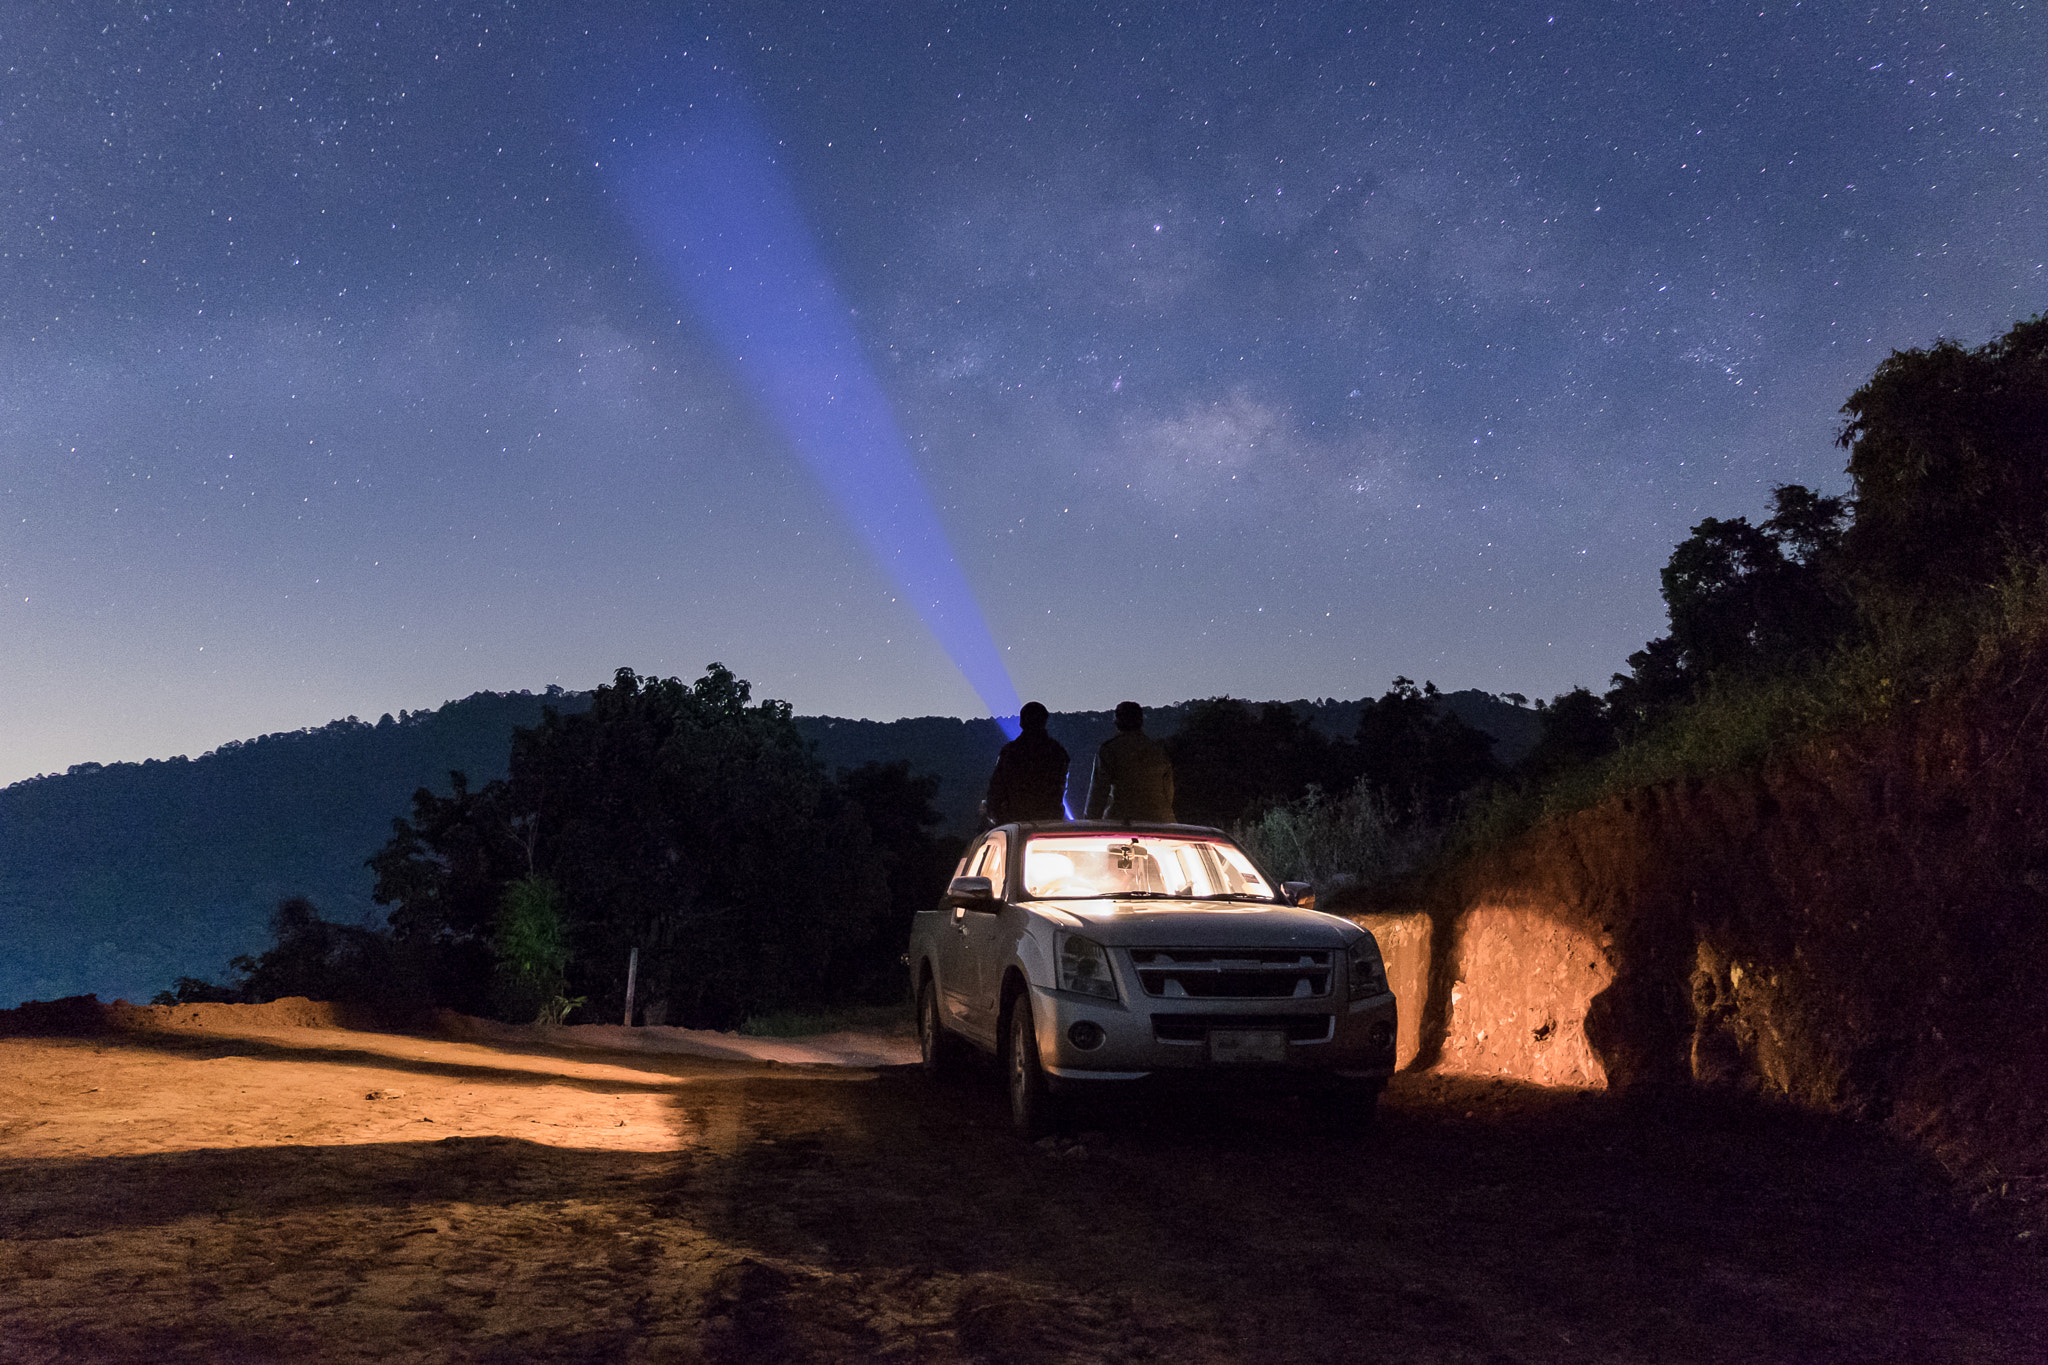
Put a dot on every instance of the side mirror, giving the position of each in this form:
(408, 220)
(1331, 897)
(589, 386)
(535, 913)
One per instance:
(1302, 894)
(974, 891)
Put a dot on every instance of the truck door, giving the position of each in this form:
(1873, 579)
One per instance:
(969, 944)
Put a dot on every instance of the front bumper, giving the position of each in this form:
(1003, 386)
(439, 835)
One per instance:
(1155, 1037)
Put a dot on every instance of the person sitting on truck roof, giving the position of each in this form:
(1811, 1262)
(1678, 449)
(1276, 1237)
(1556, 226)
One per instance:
(1133, 777)
(1030, 780)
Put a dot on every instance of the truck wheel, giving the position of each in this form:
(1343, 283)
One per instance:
(945, 1057)
(1031, 1101)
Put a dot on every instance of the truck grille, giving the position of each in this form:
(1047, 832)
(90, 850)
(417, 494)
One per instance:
(1194, 1028)
(1233, 973)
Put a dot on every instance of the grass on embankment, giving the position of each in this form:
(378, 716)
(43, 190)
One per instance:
(1907, 659)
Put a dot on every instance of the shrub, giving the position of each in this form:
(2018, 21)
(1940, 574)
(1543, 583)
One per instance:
(532, 952)
(321, 960)
(1354, 838)
(1906, 655)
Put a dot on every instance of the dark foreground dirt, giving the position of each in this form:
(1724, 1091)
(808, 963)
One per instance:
(334, 1196)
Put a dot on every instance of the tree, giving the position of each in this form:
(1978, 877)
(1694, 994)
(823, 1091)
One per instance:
(897, 806)
(1714, 589)
(1742, 598)
(444, 871)
(1419, 758)
(697, 827)
(1230, 762)
(682, 820)
(1656, 681)
(1948, 455)
(1948, 463)
(1578, 727)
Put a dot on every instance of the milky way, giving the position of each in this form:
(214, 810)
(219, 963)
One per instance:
(1271, 352)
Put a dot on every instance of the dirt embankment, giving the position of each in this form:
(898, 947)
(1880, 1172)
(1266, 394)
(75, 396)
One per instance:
(1860, 928)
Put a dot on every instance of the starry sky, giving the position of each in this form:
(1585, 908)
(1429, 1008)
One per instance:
(1263, 350)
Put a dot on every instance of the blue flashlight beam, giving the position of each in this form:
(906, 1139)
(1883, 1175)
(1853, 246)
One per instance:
(720, 220)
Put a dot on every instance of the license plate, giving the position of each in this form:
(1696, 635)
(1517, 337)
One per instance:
(1248, 1046)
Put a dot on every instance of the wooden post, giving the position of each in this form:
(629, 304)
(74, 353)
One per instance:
(632, 971)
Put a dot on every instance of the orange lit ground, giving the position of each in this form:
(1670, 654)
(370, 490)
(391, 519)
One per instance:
(211, 1197)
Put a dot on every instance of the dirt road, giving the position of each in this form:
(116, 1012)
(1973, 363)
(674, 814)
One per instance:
(321, 1195)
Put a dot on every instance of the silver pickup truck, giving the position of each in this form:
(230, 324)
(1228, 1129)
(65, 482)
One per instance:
(1089, 957)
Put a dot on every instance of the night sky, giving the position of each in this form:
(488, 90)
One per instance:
(1262, 350)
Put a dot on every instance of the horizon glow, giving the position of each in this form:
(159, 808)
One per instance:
(701, 188)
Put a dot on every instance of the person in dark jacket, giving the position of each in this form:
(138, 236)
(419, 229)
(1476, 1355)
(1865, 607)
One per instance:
(1133, 778)
(1030, 780)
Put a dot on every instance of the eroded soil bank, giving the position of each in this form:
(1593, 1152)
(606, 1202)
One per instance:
(275, 1193)
(1860, 929)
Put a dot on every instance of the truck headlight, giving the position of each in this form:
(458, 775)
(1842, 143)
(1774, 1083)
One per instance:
(1368, 974)
(1084, 967)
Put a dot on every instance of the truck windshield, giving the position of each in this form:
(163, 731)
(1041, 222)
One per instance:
(1083, 866)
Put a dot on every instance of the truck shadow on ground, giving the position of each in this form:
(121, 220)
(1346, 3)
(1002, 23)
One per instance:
(1477, 1220)
(895, 1219)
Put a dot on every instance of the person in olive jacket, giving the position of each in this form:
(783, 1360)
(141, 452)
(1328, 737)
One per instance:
(1133, 778)
(1030, 780)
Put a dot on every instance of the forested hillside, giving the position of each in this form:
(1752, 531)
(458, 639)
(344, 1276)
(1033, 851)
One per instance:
(962, 753)
(120, 879)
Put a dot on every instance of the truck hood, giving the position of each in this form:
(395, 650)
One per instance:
(1201, 924)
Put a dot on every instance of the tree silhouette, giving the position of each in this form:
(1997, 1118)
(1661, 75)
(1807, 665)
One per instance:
(1948, 453)
(682, 820)
(897, 805)
(1742, 598)
(1230, 761)
(1418, 756)
(1578, 727)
